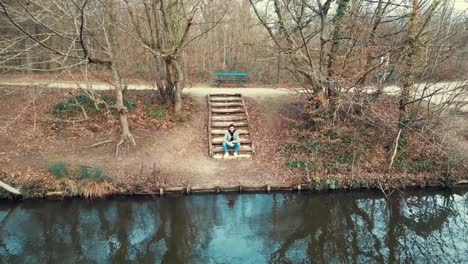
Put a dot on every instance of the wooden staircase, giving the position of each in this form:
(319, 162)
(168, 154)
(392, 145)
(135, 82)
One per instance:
(223, 110)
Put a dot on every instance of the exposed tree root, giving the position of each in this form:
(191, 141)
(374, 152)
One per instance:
(126, 138)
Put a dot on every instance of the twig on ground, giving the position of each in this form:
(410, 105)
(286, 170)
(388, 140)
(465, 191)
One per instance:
(394, 150)
(100, 143)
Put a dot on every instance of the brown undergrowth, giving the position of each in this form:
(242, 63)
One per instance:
(345, 149)
(41, 126)
(351, 147)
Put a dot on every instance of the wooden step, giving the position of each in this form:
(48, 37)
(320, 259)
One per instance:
(228, 118)
(225, 99)
(226, 104)
(223, 131)
(225, 95)
(228, 110)
(219, 140)
(226, 124)
(242, 149)
(231, 157)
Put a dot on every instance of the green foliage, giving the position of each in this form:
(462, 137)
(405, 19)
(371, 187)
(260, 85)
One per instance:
(59, 170)
(155, 112)
(329, 167)
(75, 105)
(72, 105)
(129, 104)
(296, 164)
(314, 147)
(418, 164)
(334, 135)
(93, 174)
(181, 117)
(330, 184)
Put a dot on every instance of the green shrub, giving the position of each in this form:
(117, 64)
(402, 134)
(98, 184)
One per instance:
(330, 184)
(59, 170)
(73, 105)
(130, 105)
(93, 174)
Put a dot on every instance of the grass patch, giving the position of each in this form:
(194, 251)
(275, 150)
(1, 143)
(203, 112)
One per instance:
(93, 189)
(92, 174)
(75, 105)
(59, 170)
(155, 112)
(83, 180)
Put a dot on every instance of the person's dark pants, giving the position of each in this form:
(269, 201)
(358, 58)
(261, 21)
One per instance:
(235, 147)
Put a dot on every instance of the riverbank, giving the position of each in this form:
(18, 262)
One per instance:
(246, 189)
(45, 157)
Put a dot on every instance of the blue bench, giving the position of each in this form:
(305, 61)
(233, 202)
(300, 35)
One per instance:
(230, 77)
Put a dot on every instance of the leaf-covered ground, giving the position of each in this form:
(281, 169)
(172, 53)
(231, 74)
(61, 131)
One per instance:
(47, 145)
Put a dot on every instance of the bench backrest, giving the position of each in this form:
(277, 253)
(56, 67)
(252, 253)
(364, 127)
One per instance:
(240, 74)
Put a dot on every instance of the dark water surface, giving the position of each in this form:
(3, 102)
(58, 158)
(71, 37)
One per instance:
(422, 227)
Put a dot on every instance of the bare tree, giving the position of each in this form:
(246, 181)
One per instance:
(163, 29)
(85, 39)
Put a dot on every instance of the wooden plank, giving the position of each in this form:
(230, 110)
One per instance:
(227, 110)
(226, 99)
(239, 103)
(228, 118)
(242, 149)
(228, 107)
(226, 124)
(222, 131)
(241, 156)
(210, 146)
(219, 140)
(248, 121)
(225, 95)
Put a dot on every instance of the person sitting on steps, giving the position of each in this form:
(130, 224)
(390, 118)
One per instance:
(231, 141)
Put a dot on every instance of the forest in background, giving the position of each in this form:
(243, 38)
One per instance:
(227, 36)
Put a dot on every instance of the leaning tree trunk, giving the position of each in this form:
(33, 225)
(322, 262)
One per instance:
(412, 48)
(126, 136)
(337, 35)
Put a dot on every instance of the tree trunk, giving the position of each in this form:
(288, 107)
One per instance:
(126, 136)
(340, 13)
(409, 55)
(174, 81)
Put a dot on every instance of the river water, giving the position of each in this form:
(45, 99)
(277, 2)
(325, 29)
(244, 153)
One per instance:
(421, 227)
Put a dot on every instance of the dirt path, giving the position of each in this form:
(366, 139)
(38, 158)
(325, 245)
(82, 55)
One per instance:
(442, 91)
(182, 152)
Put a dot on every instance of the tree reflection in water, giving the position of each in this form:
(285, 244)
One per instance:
(250, 228)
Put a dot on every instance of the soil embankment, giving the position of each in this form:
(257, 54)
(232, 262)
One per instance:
(42, 151)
